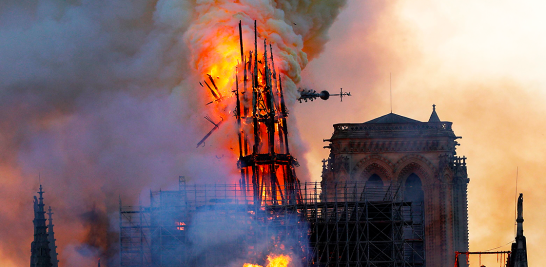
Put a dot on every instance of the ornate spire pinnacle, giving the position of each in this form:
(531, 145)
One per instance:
(519, 220)
(40, 252)
(41, 192)
(51, 238)
(518, 257)
(434, 117)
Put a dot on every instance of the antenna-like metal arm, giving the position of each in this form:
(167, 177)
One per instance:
(341, 94)
(310, 94)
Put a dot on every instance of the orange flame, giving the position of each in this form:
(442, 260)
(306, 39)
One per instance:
(273, 261)
(278, 260)
(219, 59)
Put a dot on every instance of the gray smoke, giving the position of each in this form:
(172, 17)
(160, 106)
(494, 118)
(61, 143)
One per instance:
(100, 98)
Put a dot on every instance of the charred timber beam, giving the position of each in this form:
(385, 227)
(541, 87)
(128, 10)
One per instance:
(216, 125)
(266, 159)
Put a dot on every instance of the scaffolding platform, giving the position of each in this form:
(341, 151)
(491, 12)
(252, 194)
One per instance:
(206, 225)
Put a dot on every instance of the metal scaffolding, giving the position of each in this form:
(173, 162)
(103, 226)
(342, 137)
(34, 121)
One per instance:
(353, 226)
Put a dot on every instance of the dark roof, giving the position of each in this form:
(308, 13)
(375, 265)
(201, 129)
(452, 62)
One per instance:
(434, 117)
(393, 118)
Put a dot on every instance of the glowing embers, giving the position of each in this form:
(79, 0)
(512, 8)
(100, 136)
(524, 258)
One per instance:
(181, 226)
(273, 261)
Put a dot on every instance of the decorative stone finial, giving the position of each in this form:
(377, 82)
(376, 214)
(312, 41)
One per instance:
(434, 117)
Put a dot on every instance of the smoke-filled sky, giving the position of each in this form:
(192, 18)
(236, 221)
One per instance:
(482, 63)
(101, 99)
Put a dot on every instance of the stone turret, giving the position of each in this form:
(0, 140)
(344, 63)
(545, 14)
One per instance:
(40, 251)
(434, 116)
(518, 257)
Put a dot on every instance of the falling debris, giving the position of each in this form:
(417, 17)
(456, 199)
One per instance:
(216, 125)
(216, 92)
(213, 90)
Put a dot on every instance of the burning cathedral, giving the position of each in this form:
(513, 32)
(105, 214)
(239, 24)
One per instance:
(393, 190)
(393, 193)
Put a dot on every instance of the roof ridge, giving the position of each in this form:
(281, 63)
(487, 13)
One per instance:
(393, 118)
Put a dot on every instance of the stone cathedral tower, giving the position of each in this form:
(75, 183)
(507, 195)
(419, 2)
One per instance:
(419, 158)
(40, 251)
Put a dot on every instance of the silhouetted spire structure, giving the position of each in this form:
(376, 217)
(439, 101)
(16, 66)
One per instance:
(51, 237)
(518, 257)
(434, 117)
(40, 252)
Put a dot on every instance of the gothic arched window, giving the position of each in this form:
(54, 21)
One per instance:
(413, 192)
(413, 189)
(374, 181)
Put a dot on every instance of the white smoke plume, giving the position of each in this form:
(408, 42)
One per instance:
(101, 98)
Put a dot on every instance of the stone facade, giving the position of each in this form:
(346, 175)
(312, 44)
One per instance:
(395, 148)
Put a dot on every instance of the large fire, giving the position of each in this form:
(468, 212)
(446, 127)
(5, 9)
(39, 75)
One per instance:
(245, 84)
(273, 261)
(234, 78)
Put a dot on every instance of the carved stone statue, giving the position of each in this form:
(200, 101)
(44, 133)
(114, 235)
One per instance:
(520, 206)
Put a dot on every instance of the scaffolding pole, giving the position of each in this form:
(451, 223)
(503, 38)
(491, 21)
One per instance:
(352, 226)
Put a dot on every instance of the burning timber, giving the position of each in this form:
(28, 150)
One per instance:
(265, 162)
(216, 126)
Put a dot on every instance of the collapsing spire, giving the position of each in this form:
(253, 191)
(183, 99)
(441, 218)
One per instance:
(266, 166)
(40, 251)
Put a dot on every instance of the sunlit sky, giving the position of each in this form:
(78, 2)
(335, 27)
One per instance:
(481, 62)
